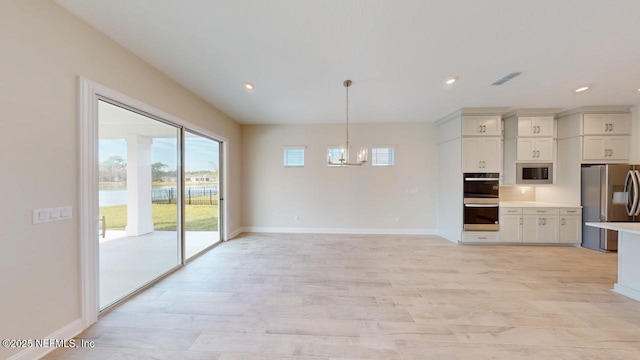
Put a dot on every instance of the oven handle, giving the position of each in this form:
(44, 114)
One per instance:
(481, 179)
(482, 205)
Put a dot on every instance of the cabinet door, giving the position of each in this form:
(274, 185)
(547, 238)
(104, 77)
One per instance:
(470, 155)
(529, 228)
(544, 125)
(570, 229)
(481, 125)
(606, 124)
(525, 149)
(605, 148)
(491, 154)
(510, 228)
(535, 126)
(548, 229)
(535, 149)
(616, 147)
(544, 149)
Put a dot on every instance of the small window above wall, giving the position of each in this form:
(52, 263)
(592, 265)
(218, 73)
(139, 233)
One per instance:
(334, 154)
(382, 156)
(294, 156)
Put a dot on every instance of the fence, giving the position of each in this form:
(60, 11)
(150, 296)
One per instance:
(192, 196)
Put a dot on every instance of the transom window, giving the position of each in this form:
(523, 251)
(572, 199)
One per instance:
(294, 156)
(382, 156)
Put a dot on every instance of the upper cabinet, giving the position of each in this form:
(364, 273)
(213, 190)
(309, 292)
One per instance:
(606, 124)
(481, 154)
(481, 125)
(602, 134)
(529, 137)
(535, 126)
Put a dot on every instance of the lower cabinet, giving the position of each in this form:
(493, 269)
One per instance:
(570, 226)
(541, 225)
(510, 224)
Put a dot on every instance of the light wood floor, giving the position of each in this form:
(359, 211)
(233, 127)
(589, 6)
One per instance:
(264, 296)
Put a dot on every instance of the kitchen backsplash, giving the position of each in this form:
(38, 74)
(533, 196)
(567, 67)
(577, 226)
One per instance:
(517, 193)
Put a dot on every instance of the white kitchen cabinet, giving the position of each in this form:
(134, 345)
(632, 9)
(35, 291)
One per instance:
(535, 149)
(532, 126)
(511, 225)
(481, 125)
(605, 148)
(606, 124)
(540, 225)
(480, 237)
(570, 226)
(482, 154)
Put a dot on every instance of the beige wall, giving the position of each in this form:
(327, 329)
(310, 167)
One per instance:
(400, 199)
(44, 50)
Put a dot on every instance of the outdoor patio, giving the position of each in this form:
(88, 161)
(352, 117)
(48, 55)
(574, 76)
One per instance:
(128, 262)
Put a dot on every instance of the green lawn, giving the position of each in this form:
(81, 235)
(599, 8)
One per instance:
(198, 217)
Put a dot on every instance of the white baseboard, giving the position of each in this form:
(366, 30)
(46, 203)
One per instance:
(451, 237)
(65, 333)
(235, 233)
(258, 229)
(627, 291)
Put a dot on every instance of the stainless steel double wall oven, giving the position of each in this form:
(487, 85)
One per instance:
(481, 201)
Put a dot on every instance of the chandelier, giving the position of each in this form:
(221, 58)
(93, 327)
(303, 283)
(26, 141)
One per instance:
(344, 150)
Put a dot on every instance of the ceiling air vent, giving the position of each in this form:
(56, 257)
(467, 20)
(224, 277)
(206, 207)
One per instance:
(506, 78)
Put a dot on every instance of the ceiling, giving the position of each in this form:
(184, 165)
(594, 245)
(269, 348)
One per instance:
(398, 54)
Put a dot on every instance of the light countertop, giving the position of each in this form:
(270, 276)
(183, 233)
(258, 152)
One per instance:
(631, 227)
(524, 204)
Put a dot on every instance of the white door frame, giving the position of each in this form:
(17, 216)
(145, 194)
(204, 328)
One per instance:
(88, 94)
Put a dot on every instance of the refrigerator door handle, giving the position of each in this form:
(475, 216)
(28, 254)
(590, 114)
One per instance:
(631, 188)
(636, 175)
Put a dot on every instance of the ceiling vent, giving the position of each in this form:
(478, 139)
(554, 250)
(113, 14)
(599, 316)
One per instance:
(506, 78)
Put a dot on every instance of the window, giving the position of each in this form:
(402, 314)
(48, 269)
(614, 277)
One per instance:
(294, 156)
(382, 156)
(334, 154)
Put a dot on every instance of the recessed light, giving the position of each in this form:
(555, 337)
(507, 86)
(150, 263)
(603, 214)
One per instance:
(581, 89)
(451, 80)
(249, 86)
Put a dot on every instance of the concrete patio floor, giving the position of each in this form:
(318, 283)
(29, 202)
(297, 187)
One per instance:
(129, 262)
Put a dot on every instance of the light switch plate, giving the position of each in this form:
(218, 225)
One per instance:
(52, 214)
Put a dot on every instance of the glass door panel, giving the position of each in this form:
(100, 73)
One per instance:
(139, 236)
(201, 194)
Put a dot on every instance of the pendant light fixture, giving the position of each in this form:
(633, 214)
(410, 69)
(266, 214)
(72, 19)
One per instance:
(344, 150)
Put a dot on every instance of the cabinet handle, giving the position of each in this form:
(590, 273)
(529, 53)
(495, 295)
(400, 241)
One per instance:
(482, 238)
(562, 221)
(520, 221)
(544, 221)
(610, 127)
(606, 127)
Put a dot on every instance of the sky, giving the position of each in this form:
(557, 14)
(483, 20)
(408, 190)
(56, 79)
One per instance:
(200, 153)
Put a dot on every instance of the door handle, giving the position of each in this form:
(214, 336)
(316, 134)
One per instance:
(103, 225)
(637, 193)
(628, 188)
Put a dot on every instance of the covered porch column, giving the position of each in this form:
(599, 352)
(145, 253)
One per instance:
(139, 221)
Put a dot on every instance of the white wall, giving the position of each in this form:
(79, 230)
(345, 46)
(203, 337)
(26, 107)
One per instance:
(44, 50)
(398, 199)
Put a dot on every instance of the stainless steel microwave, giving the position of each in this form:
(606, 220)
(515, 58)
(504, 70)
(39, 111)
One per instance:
(534, 173)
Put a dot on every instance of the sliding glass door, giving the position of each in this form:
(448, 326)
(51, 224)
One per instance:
(201, 193)
(139, 200)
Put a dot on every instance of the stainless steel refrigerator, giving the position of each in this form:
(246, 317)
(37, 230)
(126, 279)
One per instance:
(609, 193)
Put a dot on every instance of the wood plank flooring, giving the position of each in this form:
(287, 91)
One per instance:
(266, 296)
